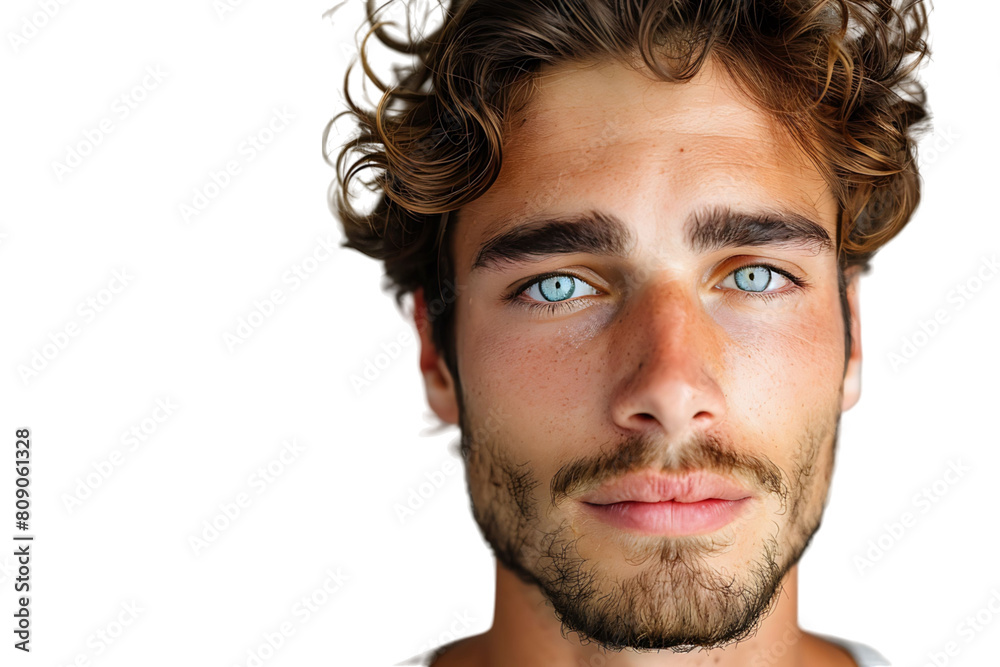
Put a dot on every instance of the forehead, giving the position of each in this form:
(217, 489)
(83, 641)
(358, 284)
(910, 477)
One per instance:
(604, 136)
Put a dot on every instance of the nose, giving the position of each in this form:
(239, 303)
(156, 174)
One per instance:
(669, 359)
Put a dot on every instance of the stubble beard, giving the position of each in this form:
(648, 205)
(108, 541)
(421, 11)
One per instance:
(676, 600)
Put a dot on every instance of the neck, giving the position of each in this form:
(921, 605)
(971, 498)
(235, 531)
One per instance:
(526, 633)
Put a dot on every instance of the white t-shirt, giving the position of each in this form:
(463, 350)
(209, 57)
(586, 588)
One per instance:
(863, 654)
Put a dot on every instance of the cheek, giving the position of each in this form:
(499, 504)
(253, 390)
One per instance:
(782, 372)
(777, 374)
(546, 385)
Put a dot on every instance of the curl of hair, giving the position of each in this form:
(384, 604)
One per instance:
(838, 75)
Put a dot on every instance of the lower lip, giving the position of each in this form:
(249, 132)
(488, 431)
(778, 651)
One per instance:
(670, 518)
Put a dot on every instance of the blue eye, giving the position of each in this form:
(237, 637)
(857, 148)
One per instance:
(756, 278)
(559, 288)
(753, 278)
(553, 293)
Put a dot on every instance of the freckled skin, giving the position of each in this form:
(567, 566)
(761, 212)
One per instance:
(667, 362)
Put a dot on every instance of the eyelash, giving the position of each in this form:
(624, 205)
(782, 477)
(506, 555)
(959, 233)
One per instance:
(552, 307)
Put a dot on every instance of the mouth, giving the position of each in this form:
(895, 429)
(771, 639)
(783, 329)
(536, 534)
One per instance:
(668, 505)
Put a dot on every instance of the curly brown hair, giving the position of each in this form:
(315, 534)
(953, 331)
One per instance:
(839, 75)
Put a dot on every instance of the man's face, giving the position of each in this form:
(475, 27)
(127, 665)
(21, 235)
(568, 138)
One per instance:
(693, 328)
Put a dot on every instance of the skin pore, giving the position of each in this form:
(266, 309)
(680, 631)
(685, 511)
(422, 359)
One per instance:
(645, 287)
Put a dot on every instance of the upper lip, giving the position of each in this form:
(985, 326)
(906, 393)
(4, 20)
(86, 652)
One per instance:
(655, 487)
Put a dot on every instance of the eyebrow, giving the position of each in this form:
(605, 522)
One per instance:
(602, 234)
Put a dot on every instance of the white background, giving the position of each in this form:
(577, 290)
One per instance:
(405, 585)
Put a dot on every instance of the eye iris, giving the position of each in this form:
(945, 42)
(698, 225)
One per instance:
(753, 278)
(557, 288)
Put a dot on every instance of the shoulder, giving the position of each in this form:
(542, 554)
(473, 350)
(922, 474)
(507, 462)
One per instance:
(839, 652)
(464, 652)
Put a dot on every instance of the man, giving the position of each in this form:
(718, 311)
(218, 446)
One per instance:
(644, 317)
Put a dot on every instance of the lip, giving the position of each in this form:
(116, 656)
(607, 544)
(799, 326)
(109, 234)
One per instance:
(673, 505)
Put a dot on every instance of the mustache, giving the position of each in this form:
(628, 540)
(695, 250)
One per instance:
(702, 451)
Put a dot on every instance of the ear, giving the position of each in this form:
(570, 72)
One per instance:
(852, 376)
(438, 383)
